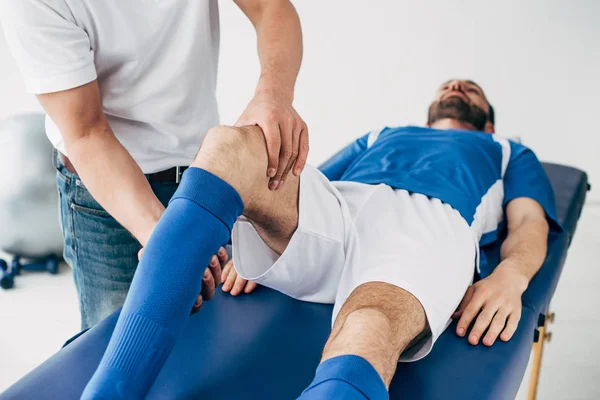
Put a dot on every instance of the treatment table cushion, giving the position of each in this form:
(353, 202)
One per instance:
(266, 345)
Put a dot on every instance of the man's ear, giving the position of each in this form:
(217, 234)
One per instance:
(489, 127)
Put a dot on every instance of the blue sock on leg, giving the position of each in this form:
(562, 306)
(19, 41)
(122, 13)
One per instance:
(346, 377)
(167, 282)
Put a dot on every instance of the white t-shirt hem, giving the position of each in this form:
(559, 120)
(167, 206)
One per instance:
(62, 82)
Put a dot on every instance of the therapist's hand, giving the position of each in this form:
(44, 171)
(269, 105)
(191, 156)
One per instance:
(494, 303)
(210, 279)
(285, 132)
(235, 284)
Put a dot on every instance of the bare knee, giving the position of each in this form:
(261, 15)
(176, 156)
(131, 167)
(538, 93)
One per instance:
(235, 154)
(378, 322)
(387, 306)
(393, 302)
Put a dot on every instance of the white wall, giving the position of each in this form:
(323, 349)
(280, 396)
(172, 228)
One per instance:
(376, 63)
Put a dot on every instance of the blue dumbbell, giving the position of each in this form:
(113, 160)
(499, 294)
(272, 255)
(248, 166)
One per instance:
(7, 279)
(49, 264)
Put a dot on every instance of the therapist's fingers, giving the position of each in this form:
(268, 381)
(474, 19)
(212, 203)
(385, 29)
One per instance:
(302, 151)
(297, 130)
(483, 321)
(197, 306)
(496, 326)
(273, 139)
(215, 269)
(511, 326)
(285, 152)
(469, 313)
(208, 285)
(223, 257)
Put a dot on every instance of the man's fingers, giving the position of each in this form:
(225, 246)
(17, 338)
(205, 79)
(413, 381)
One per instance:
(469, 314)
(273, 138)
(208, 285)
(496, 326)
(140, 253)
(238, 286)
(285, 152)
(483, 321)
(231, 275)
(302, 151)
(511, 326)
(250, 286)
(295, 144)
(226, 271)
(463, 303)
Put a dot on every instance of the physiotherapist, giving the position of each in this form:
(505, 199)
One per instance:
(129, 91)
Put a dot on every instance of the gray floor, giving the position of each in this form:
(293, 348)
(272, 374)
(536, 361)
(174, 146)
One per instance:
(38, 315)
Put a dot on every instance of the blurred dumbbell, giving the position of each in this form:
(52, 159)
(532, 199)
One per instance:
(49, 264)
(7, 278)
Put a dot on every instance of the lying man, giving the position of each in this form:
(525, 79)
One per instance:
(389, 232)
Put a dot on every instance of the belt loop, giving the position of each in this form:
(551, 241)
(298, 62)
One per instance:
(177, 174)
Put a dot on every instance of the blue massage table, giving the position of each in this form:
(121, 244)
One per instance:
(266, 345)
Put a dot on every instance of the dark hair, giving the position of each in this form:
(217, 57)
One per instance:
(491, 116)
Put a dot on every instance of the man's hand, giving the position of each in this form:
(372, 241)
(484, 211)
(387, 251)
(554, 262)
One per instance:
(285, 132)
(496, 303)
(210, 279)
(234, 283)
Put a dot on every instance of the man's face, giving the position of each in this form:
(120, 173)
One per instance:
(461, 100)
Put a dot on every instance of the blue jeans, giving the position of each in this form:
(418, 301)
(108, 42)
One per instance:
(102, 254)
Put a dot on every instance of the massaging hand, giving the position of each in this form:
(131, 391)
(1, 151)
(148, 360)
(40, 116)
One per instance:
(496, 303)
(285, 132)
(210, 279)
(234, 283)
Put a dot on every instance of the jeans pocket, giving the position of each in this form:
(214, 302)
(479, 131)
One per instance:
(84, 202)
(98, 212)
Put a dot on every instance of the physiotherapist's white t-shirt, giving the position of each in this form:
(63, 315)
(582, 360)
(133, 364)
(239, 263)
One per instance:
(155, 62)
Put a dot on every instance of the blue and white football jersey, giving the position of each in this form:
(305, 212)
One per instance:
(476, 173)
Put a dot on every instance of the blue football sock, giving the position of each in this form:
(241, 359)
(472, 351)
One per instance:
(167, 282)
(347, 377)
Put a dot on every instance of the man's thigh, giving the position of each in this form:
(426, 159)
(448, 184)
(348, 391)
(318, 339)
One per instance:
(414, 243)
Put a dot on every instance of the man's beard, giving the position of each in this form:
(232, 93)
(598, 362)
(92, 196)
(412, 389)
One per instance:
(455, 108)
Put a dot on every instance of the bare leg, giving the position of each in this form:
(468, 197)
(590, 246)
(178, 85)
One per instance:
(377, 322)
(239, 157)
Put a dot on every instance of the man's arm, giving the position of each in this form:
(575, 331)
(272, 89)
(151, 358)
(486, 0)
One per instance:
(279, 38)
(497, 298)
(109, 172)
(525, 247)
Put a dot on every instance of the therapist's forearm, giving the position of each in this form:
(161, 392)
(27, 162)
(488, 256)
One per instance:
(116, 181)
(104, 165)
(279, 38)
